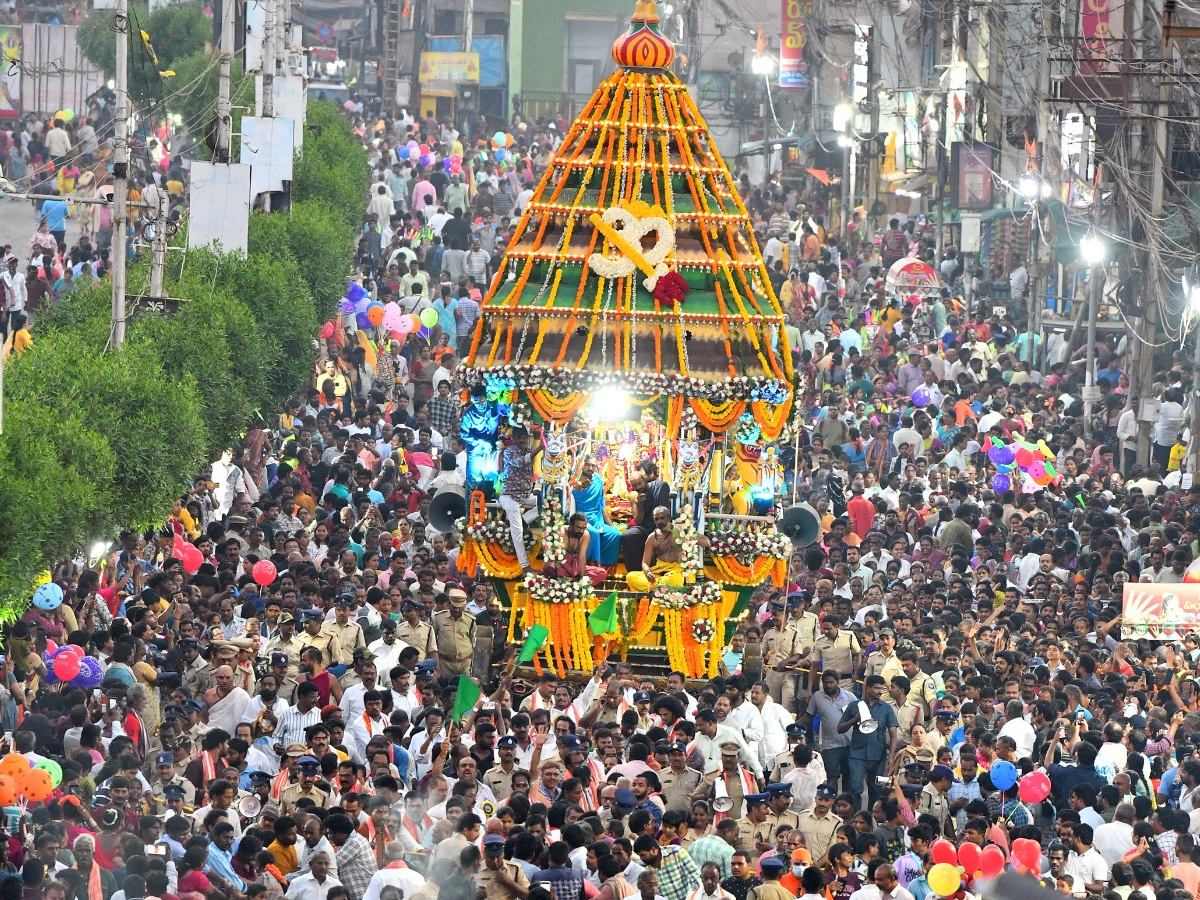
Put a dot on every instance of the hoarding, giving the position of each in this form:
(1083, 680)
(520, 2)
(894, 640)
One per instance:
(451, 66)
(793, 70)
(1163, 612)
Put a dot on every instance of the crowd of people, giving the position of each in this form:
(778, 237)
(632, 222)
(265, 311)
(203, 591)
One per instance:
(295, 735)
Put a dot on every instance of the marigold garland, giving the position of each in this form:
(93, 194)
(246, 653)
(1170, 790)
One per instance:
(717, 417)
(731, 571)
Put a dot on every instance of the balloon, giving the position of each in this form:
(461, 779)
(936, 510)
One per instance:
(356, 292)
(1001, 482)
(1002, 456)
(968, 853)
(15, 765)
(48, 596)
(943, 851)
(429, 317)
(51, 647)
(391, 321)
(991, 861)
(192, 558)
(362, 305)
(1027, 853)
(508, 140)
(1037, 471)
(1023, 457)
(424, 148)
(91, 673)
(500, 155)
(944, 879)
(362, 321)
(426, 159)
(424, 332)
(36, 785)
(10, 793)
(327, 331)
(414, 324)
(404, 325)
(346, 308)
(412, 145)
(1035, 787)
(54, 769)
(1004, 776)
(76, 649)
(263, 572)
(402, 153)
(67, 666)
(448, 165)
(375, 314)
(921, 396)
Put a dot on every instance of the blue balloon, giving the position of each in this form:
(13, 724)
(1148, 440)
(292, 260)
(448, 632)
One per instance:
(1002, 456)
(1004, 775)
(1001, 483)
(501, 155)
(921, 396)
(355, 292)
(346, 308)
(363, 322)
(402, 153)
(48, 596)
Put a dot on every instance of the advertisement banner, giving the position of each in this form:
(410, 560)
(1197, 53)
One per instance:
(1163, 612)
(454, 67)
(971, 184)
(793, 70)
(10, 73)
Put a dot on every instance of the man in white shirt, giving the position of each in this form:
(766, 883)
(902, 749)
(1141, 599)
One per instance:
(1085, 862)
(316, 883)
(1114, 839)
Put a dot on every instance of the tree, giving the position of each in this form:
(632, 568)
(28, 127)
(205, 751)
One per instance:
(320, 242)
(331, 167)
(192, 94)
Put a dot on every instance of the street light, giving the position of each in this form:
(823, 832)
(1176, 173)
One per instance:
(763, 66)
(843, 121)
(1030, 186)
(1092, 250)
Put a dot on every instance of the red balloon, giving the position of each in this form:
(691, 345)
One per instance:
(66, 666)
(76, 649)
(991, 861)
(1027, 853)
(1034, 787)
(968, 856)
(943, 851)
(51, 646)
(1024, 457)
(263, 572)
(192, 559)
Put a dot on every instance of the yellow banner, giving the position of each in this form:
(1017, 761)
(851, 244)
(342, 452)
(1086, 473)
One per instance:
(454, 66)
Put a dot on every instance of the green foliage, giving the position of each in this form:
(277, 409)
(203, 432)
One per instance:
(318, 240)
(177, 30)
(192, 94)
(332, 167)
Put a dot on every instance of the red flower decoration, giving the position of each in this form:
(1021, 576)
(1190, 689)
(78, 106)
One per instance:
(671, 289)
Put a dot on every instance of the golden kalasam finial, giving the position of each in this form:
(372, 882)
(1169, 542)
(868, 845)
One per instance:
(646, 11)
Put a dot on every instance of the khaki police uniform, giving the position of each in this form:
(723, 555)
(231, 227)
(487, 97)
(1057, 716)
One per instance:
(499, 781)
(770, 890)
(198, 677)
(331, 650)
(419, 636)
(455, 642)
(908, 715)
(733, 785)
(292, 648)
(936, 804)
(158, 806)
(678, 787)
(485, 878)
(818, 832)
(782, 764)
(923, 692)
(887, 666)
(747, 834)
(774, 820)
(838, 654)
(778, 645)
(294, 792)
(287, 689)
(349, 636)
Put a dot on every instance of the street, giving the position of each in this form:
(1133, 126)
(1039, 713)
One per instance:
(18, 222)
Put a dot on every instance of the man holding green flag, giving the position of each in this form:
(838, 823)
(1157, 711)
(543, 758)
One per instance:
(465, 698)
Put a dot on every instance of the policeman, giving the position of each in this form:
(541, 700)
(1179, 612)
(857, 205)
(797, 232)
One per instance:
(306, 787)
(414, 632)
(174, 802)
(164, 765)
(349, 633)
(454, 630)
(772, 868)
(678, 780)
(779, 800)
(935, 799)
(284, 667)
(287, 643)
(314, 635)
(785, 761)
(499, 776)
(754, 834)
(819, 825)
(197, 675)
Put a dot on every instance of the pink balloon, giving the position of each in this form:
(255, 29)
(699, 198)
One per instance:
(404, 325)
(67, 666)
(192, 559)
(1034, 787)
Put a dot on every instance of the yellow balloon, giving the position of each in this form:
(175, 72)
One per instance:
(944, 879)
(44, 578)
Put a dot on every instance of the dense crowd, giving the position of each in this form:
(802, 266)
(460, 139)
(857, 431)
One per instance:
(288, 728)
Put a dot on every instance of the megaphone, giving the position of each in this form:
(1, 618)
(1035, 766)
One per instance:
(721, 801)
(249, 807)
(449, 505)
(800, 523)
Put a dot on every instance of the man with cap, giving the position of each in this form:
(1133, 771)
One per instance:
(935, 799)
(819, 825)
(416, 633)
(736, 782)
(499, 776)
(785, 761)
(286, 683)
(779, 800)
(784, 649)
(197, 674)
(679, 781)
(305, 788)
(754, 835)
(349, 633)
(166, 775)
(454, 630)
(884, 661)
(499, 879)
(772, 870)
(315, 635)
(288, 644)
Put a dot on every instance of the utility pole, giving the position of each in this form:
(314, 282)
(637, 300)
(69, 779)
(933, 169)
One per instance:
(224, 111)
(120, 175)
(268, 59)
(873, 154)
(158, 247)
(943, 166)
(468, 24)
(1090, 379)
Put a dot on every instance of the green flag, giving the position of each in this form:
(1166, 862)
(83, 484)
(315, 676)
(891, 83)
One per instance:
(534, 641)
(604, 617)
(464, 699)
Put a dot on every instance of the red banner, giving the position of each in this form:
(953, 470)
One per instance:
(793, 70)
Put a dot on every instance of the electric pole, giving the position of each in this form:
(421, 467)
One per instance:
(158, 246)
(269, 56)
(224, 111)
(120, 175)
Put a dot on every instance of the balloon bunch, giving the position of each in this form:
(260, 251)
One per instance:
(955, 869)
(190, 555)
(452, 165)
(358, 303)
(501, 144)
(419, 153)
(1021, 463)
(21, 779)
(69, 664)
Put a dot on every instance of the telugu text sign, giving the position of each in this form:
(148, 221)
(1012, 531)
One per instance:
(793, 70)
(452, 66)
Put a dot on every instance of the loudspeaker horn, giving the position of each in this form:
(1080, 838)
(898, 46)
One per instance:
(449, 505)
(801, 524)
(721, 801)
(249, 806)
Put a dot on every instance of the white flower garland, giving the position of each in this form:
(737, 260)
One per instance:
(703, 630)
(698, 594)
(685, 529)
(750, 545)
(561, 382)
(554, 536)
(557, 590)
